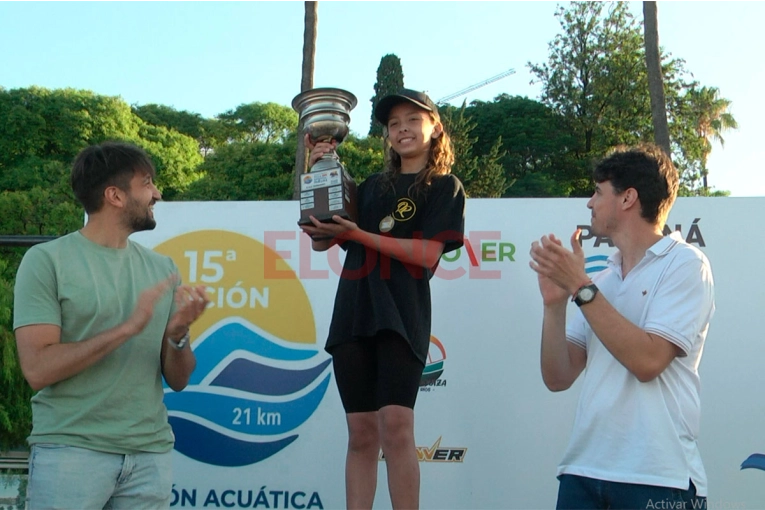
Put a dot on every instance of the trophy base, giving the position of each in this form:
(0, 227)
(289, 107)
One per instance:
(327, 193)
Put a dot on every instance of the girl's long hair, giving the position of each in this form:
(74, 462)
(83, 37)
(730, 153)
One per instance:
(440, 160)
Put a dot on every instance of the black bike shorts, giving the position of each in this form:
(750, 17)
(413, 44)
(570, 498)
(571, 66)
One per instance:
(374, 372)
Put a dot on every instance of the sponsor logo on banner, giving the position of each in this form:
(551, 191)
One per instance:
(483, 246)
(438, 453)
(266, 497)
(691, 233)
(434, 367)
(596, 263)
(259, 373)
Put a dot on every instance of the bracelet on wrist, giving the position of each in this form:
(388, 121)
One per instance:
(181, 343)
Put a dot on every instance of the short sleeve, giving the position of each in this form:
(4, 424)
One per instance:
(178, 282)
(362, 197)
(35, 295)
(683, 304)
(444, 219)
(576, 329)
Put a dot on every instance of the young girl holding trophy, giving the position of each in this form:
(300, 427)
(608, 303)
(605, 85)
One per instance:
(408, 216)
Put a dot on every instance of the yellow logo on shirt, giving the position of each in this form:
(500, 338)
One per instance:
(405, 209)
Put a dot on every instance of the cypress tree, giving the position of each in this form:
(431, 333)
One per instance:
(390, 78)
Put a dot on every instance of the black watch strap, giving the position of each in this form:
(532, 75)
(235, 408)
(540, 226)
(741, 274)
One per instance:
(585, 294)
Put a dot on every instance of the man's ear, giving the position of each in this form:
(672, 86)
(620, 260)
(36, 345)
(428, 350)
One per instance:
(630, 198)
(114, 197)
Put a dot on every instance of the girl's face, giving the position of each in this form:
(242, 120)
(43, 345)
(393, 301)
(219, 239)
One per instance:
(411, 130)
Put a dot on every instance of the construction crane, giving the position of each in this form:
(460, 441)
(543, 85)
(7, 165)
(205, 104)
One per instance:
(476, 86)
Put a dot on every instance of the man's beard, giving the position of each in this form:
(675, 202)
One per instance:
(145, 223)
(139, 222)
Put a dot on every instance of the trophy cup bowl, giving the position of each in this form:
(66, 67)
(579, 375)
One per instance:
(327, 189)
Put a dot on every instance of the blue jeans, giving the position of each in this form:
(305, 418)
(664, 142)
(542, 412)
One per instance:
(66, 478)
(578, 492)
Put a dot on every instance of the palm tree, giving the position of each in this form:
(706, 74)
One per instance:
(655, 79)
(311, 23)
(711, 119)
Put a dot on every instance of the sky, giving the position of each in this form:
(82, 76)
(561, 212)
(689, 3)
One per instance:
(209, 57)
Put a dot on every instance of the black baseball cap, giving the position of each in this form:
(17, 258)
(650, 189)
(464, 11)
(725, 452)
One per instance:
(386, 104)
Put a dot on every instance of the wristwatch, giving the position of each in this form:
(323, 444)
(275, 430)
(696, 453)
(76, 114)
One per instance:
(181, 343)
(585, 294)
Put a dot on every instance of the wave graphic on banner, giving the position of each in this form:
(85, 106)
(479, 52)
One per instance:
(595, 263)
(754, 461)
(246, 397)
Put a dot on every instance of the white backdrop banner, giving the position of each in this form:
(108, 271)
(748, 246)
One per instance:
(261, 424)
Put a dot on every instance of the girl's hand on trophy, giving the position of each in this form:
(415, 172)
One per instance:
(339, 228)
(311, 231)
(319, 149)
(319, 241)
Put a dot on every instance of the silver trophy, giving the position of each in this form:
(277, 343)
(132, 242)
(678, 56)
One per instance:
(327, 189)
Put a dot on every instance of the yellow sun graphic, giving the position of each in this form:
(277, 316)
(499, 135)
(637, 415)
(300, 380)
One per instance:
(244, 278)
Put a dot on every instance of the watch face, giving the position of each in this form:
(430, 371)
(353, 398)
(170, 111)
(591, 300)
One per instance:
(586, 294)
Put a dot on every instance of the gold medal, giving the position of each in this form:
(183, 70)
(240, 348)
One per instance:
(386, 224)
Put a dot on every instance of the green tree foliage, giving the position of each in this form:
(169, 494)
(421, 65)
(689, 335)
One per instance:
(190, 124)
(246, 171)
(263, 171)
(706, 117)
(596, 78)
(56, 124)
(595, 75)
(176, 157)
(208, 133)
(390, 79)
(45, 129)
(482, 175)
(536, 141)
(15, 412)
(259, 122)
(361, 156)
(41, 131)
(34, 171)
(38, 211)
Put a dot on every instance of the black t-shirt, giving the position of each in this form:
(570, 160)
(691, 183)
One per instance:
(378, 292)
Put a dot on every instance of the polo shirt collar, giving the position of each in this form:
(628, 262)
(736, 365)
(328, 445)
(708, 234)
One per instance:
(665, 244)
(658, 249)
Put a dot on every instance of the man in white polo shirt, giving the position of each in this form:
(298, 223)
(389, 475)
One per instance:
(639, 332)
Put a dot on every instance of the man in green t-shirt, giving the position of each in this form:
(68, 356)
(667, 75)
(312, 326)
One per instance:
(97, 328)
